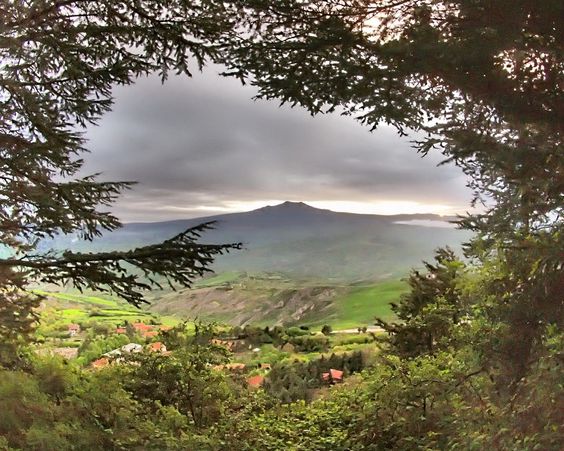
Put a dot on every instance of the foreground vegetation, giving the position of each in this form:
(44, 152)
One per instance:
(431, 383)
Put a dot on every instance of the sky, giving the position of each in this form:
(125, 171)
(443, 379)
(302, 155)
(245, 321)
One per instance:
(202, 146)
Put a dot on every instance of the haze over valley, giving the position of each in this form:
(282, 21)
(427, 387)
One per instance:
(299, 241)
(298, 264)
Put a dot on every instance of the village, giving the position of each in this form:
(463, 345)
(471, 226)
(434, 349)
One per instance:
(290, 360)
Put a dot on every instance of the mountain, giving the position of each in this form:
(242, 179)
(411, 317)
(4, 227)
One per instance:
(301, 241)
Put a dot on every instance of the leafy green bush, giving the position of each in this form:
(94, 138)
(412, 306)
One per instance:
(296, 332)
(310, 343)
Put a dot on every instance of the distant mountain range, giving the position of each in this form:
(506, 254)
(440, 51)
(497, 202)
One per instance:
(301, 241)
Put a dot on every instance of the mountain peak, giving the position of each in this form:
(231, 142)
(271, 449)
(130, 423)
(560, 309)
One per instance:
(290, 209)
(289, 205)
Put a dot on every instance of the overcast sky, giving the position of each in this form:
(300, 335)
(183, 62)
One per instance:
(202, 146)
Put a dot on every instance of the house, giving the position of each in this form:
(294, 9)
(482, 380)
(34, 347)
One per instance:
(121, 330)
(113, 353)
(158, 346)
(74, 329)
(142, 327)
(333, 376)
(131, 347)
(255, 381)
(228, 344)
(150, 334)
(128, 349)
(100, 363)
(265, 366)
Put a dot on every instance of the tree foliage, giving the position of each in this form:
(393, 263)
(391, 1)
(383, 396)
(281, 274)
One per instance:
(430, 310)
(60, 60)
(185, 380)
(480, 81)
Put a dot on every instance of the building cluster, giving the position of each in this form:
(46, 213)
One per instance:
(145, 330)
(116, 355)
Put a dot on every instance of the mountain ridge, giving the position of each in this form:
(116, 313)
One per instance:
(298, 240)
(293, 204)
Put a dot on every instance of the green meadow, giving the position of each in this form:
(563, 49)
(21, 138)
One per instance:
(69, 307)
(218, 279)
(362, 304)
(355, 306)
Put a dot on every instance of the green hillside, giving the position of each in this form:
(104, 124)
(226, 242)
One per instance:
(62, 308)
(361, 305)
(238, 299)
(268, 299)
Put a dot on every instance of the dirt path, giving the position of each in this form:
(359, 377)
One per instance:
(374, 329)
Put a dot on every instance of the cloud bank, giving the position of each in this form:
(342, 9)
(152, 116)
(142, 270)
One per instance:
(202, 146)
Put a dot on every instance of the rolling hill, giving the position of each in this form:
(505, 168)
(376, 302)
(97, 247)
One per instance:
(267, 300)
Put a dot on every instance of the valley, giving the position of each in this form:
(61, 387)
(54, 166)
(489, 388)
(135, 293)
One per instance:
(299, 266)
(237, 300)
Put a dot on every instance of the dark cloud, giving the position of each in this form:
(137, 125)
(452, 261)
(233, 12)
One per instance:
(203, 143)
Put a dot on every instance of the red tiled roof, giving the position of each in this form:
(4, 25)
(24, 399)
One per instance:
(101, 362)
(74, 327)
(142, 327)
(336, 375)
(255, 381)
(121, 330)
(150, 334)
(157, 347)
(332, 375)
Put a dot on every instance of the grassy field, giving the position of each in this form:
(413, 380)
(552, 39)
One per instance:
(362, 304)
(66, 308)
(218, 279)
(79, 298)
(352, 307)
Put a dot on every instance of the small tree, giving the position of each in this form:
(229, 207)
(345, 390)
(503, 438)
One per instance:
(185, 380)
(429, 311)
(326, 329)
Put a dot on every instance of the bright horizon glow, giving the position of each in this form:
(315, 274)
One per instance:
(386, 207)
(359, 207)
